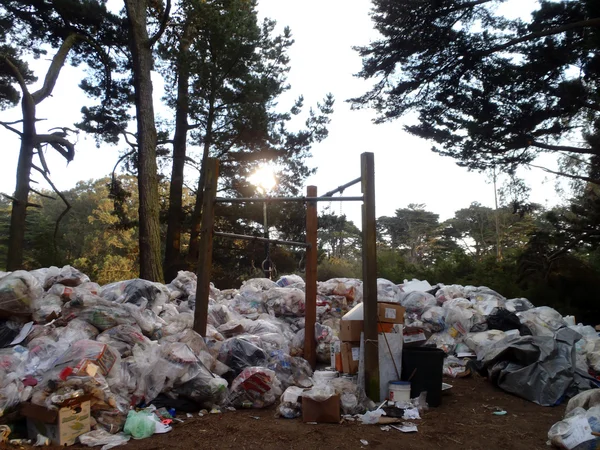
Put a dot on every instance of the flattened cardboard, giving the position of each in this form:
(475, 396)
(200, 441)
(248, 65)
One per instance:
(327, 411)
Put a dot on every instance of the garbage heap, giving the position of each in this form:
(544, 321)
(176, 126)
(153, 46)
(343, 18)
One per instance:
(532, 352)
(131, 343)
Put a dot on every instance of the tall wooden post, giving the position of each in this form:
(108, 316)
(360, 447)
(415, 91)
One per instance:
(310, 351)
(369, 257)
(206, 245)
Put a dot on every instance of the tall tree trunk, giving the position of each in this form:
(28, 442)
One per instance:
(197, 214)
(149, 231)
(176, 216)
(19, 205)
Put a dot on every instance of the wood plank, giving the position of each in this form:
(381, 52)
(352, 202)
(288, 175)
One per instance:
(310, 346)
(369, 260)
(206, 246)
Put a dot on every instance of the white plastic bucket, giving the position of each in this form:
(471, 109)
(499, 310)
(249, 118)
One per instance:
(399, 391)
(324, 375)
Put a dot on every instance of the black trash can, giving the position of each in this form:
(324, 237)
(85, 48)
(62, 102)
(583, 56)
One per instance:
(423, 367)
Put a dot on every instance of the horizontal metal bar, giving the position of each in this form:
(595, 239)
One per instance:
(261, 239)
(342, 187)
(287, 199)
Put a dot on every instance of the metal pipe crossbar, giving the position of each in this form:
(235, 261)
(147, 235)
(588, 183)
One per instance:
(261, 239)
(342, 187)
(287, 199)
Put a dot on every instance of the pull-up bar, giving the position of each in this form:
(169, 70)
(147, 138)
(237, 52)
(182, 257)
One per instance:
(261, 239)
(369, 257)
(287, 199)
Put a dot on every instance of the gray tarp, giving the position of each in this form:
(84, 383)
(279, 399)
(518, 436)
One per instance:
(538, 368)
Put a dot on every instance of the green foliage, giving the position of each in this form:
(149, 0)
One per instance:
(338, 268)
(489, 90)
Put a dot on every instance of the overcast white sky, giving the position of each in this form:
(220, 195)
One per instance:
(322, 61)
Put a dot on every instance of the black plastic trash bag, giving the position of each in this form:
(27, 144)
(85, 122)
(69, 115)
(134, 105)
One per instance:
(504, 320)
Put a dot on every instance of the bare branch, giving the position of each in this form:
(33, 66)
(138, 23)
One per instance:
(8, 127)
(15, 70)
(567, 175)
(59, 144)
(562, 148)
(163, 25)
(131, 144)
(591, 23)
(42, 159)
(119, 161)
(55, 67)
(41, 194)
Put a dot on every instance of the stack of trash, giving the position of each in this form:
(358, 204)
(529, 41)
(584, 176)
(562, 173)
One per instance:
(130, 343)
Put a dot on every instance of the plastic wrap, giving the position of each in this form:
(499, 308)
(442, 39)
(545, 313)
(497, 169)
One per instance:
(140, 425)
(185, 282)
(290, 370)
(288, 280)
(122, 338)
(291, 403)
(104, 438)
(285, 302)
(480, 343)
(205, 391)
(319, 392)
(67, 276)
(518, 305)
(8, 331)
(46, 306)
(239, 353)
(84, 353)
(442, 341)
(388, 291)
(418, 302)
(297, 344)
(434, 319)
(350, 288)
(353, 399)
(449, 292)
(542, 321)
(137, 292)
(18, 290)
(96, 311)
(255, 387)
(257, 284)
(249, 303)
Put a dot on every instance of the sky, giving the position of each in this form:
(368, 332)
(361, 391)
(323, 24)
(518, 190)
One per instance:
(322, 61)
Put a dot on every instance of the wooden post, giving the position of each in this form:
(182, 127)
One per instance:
(310, 350)
(369, 260)
(206, 245)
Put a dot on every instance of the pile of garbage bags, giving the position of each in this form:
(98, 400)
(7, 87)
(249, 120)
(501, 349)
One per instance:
(532, 352)
(131, 343)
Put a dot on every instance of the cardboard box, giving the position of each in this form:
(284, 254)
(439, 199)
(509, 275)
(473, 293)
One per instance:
(415, 336)
(350, 329)
(63, 426)
(390, 312)
(386, 313)
(327, 411)
(350, 357)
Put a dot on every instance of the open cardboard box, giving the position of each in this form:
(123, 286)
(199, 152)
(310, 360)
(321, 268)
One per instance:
(63, 425)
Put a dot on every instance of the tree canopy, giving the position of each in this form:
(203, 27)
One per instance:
(490, 90)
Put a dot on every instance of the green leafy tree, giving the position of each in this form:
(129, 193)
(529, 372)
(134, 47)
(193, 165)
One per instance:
(489, 90)
(71, 29)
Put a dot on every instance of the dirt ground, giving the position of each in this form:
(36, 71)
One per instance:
(463, 421)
